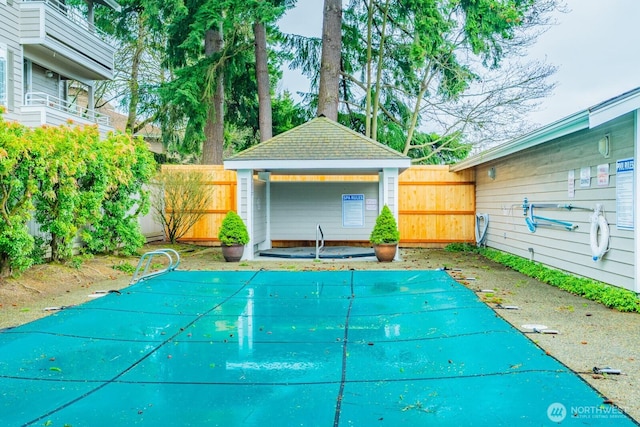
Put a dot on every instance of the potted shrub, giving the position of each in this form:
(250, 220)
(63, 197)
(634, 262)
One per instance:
(385, 236)
(233, 236)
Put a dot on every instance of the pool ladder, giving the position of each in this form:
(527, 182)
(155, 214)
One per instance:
(319, 241)
(142, 270)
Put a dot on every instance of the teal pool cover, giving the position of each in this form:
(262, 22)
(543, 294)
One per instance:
(330, 348)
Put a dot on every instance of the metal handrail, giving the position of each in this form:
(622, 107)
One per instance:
(143, 273)
(319, 242)
(50, 101)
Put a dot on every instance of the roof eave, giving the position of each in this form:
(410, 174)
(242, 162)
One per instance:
(587, 119)
(614, 107)
(342, 165)
(560, 128)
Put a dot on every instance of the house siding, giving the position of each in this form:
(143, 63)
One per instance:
(42, 25)
(30, 22)
(295, 213)
(43, 84)
(35, 31)
(9, 31)
(541, 175)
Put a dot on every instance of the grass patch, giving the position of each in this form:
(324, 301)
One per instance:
(610, 296)
(125, 267)
(78, 260)
(492, 299)
(462, 247)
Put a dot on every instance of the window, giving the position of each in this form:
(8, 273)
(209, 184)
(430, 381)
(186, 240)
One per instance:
(4, 81)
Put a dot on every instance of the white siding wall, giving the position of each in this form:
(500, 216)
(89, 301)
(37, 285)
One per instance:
(65, 36)
(149, 226)
(32, 117)
(541, 175)
(30, 21)
(9, 35)
(297, 207)
(43, 84)
(85, 43)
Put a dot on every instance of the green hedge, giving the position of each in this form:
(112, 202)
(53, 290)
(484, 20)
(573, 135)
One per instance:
(73, 183)
(610, 296)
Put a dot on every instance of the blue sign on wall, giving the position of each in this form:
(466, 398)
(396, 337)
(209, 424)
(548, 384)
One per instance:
(625, 211)
(353, 210)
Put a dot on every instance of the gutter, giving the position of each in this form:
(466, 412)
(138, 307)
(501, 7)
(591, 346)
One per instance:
(586, 119)
(571, 124)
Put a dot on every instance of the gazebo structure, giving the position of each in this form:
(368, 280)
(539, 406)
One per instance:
(290, 210)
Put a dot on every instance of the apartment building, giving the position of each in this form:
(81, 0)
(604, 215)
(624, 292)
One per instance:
(49, 49)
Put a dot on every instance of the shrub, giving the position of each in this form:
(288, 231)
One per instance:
(610, 296)
(180, 201)
(16, 246)
(20, 162)
(59, 200)
(461, 247)
(385, 230)
(130, 166)
(72, 181)
(232, 230)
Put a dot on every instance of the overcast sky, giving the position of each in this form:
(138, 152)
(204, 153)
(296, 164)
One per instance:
(596, 47)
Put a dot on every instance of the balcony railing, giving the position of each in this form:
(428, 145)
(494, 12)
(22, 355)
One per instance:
(48, 101)
(73, 14)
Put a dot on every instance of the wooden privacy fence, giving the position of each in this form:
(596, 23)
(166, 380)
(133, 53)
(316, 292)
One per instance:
(223, 187)
(436, 206)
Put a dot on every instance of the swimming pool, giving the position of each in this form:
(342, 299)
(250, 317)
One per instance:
(313, 348)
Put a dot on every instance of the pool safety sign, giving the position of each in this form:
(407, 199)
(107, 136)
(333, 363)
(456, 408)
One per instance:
(624, 194)
(353, 210)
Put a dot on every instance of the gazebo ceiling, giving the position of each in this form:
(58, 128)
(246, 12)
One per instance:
(320, 146)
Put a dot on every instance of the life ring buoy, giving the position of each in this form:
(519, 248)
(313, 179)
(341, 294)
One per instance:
(599, 225)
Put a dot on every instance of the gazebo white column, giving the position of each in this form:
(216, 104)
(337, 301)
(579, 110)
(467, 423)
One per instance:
(245, 207)
(388, 188)
(266, 244)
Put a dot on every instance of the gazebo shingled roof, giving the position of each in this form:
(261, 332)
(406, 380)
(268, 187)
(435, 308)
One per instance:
(320, 139)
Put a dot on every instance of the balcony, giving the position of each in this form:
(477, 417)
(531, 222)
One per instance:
(42, 109)
(60, 38)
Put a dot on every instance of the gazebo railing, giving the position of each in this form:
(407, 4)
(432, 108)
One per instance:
(319, 241)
